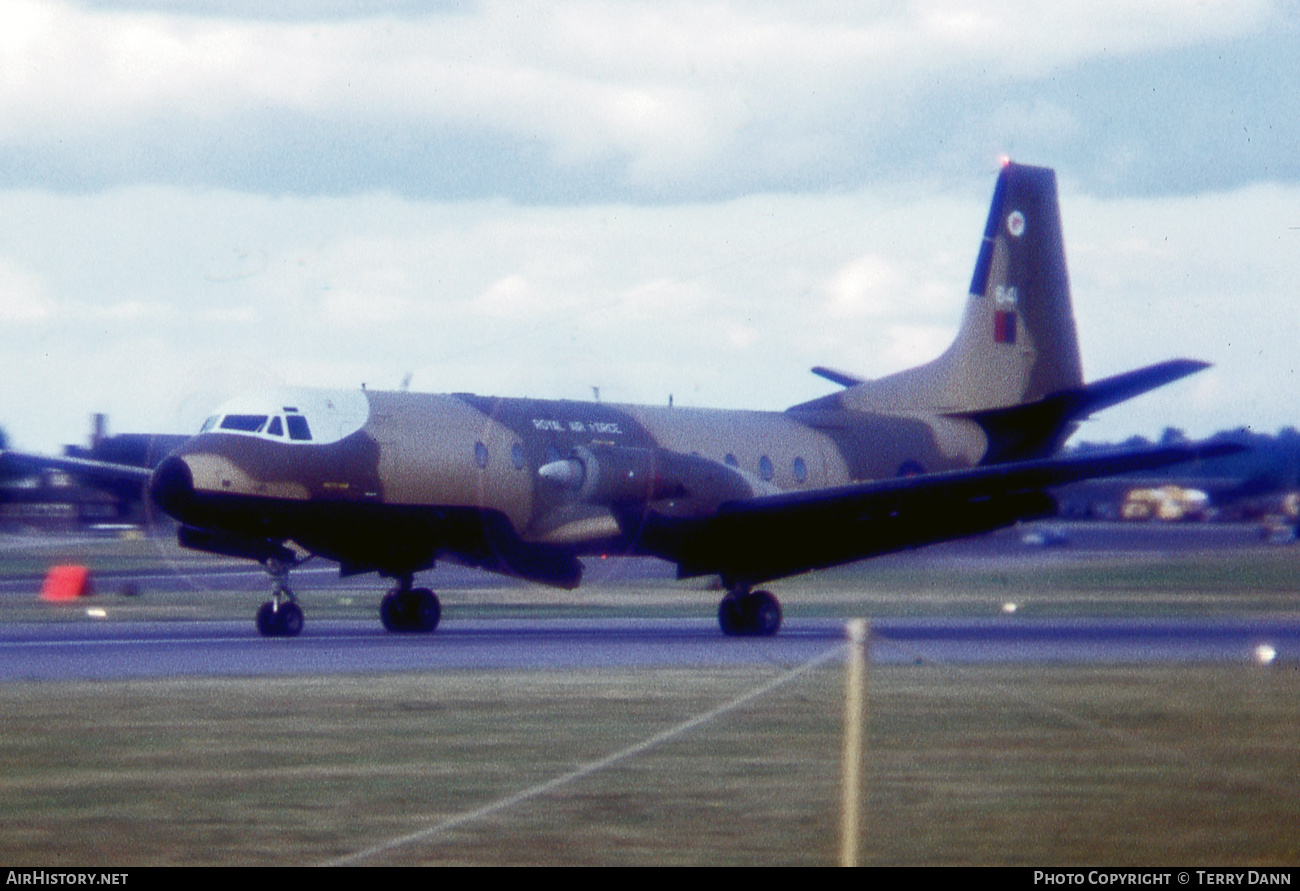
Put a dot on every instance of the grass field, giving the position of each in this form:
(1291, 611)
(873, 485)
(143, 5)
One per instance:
(1014, 764)
(1011, 765)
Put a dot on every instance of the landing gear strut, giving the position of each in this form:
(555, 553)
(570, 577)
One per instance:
(410, 610)
(745, 613)
(280, 616)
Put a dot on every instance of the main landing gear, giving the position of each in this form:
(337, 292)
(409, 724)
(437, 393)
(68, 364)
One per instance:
(280, 616)
(410, 610)
(745, 613)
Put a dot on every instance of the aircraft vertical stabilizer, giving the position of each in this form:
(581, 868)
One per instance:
(1014, 367)
(1017, 342)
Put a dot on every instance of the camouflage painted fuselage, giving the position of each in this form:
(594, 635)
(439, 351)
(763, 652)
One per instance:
(457, 476)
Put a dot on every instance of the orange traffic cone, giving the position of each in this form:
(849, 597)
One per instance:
(66, 583)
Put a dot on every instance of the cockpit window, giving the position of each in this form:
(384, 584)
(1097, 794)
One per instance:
(275, 428)
(244, 423)
(298, 428)
(210, 423)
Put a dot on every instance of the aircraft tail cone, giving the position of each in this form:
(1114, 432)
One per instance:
(64, 584)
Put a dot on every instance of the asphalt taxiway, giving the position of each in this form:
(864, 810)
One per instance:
(80, 645)
(122, 650)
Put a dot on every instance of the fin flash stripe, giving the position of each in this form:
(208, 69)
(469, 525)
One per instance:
(1004, 327)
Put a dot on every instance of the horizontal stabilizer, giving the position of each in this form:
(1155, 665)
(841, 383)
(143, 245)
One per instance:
(1018, 432)
(844, 379)
(1113, 390)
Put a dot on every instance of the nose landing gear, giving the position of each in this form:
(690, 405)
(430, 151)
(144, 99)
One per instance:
(280, 616)
(276, 619)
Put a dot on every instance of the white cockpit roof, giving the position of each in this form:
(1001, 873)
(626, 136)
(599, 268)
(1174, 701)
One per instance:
(301, 415)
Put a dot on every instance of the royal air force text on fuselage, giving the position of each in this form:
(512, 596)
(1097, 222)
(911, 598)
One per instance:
(599, 428)
(1184, 877)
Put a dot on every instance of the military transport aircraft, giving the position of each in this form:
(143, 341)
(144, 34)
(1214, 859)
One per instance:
(391, 482)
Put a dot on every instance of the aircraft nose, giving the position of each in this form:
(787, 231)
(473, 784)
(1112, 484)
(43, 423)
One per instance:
(172, 486)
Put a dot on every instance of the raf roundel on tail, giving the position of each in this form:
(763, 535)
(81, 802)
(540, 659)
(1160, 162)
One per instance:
(392, 482)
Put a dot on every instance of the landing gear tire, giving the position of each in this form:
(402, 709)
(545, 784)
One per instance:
(730, 616)
(765, 614)
(749, 614)
(266, 620)
(413, 610)
(279, 619)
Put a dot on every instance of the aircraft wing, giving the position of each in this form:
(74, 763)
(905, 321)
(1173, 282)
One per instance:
(770, 536)
(15, 463)
(978, 482)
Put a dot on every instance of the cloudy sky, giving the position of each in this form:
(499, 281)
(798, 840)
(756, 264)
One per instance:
(701, 199)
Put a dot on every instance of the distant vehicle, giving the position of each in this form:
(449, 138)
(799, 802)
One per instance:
(1282, 526)
(1278, 533)
(1045, 537)
(393, 482)
(1169, 504)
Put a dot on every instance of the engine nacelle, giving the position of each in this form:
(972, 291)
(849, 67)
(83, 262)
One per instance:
(674, 484)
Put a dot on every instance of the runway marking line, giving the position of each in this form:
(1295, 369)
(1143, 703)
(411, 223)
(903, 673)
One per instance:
(590, 768)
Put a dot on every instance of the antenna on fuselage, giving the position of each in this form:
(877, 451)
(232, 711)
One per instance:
(406, 381)
(595, 393)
